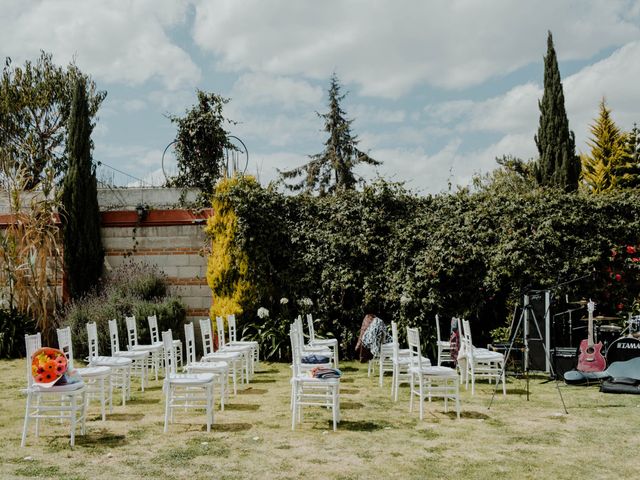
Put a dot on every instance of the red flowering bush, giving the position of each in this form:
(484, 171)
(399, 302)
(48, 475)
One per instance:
(623, 273)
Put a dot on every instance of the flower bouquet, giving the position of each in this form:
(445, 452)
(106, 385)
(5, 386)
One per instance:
(49, 367)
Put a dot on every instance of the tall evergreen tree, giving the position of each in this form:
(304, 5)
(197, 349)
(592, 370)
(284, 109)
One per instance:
(332, 169)
(558, 164)
(601, 168)
(629, 170)
(83, 253)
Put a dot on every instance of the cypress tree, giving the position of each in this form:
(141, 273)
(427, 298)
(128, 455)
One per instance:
(558, 164)
(629, 170)
(83, 253)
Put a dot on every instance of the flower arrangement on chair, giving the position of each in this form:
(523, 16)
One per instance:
(49, 367)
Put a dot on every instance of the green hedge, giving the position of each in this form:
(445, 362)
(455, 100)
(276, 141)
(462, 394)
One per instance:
(407, 257)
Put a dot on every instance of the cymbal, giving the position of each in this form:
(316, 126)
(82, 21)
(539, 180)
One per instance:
(579, 302)
(599, 318)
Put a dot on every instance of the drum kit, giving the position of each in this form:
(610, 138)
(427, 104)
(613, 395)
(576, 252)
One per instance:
(618, 343)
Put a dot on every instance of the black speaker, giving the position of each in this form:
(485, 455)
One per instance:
(539, 307)
(564, 360)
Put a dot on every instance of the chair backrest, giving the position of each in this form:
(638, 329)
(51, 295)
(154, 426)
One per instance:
(438, 328)
(153, 328)
(32, 343)
(295, 349)
(394, 340)
(231, 321)
(113, 336)
(64, 342)
(92, 337)
(299, 331)
(465, 337)
(132, 332)
(169, 353)
(311, 328)
(415, 352)
(190, 343)
(207, 336)
(220, 331)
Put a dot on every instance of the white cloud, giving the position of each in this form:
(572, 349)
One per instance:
(253, 90)
(388, 48)
(114, 41)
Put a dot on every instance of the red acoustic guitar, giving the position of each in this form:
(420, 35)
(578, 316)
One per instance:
(590, 359)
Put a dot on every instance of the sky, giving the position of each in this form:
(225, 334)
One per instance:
(437, 89)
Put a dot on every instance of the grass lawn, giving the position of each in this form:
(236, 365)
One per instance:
(377, 438)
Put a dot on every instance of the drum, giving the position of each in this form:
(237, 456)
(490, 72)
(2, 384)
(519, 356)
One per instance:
(623, 349)
(607, 334)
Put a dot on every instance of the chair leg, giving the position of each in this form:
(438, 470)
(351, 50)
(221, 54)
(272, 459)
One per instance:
(73, 420)
(411, 393)
(25, 427)
(420, 383)
(167, 396)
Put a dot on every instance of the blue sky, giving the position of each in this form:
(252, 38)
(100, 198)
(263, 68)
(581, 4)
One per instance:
(437, 89)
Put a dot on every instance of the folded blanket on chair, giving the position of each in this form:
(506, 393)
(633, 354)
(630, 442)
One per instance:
(324, 372)
(315, 359)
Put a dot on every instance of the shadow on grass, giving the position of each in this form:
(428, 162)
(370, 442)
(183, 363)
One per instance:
(242, 406)
(125, 417)
(467, 414)
(349, 369)
(358, 426)
(230, 427)
(101, 438)
(347, 380)
(252, 391)
(143, 401)
(263, 372)
(351, 405)
(264, 380)
(350, 390)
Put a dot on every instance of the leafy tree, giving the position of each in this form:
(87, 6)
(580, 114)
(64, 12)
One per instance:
(629, 170)
(608, 153)
(201, 141)
(558, 164)
(35, 101)
(83, 253)
(332, 169)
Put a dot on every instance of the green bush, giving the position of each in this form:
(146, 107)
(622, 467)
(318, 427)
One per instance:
(406, 257)
(133, 289)
(13, 327)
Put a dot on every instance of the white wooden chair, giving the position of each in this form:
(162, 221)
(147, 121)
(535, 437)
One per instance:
(97, 379)
(479, 362)
(401, 360)
(444, 346)
(314, 341)
(120, 366)
(219, 369)
(245, 350)
(65, 402)
(154, 333)
(184, 390)
(233, 339)
(432, 381)
(308, 349)
(139, 360)
(155, 350)
(233, 359)
(310, 391)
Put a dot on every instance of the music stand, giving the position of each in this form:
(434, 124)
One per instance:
(527, 310)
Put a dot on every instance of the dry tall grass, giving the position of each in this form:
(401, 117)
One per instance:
(377, 438)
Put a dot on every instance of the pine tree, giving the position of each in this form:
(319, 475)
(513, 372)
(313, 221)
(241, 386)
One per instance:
(629, 171)
(558, 164)
(601, 168)
(332, 169)
(83, 253)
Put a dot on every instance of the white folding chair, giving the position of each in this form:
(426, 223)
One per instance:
(316, 341)
(308, 349)
(233, 339)
(155, 350)
(234, 360)
(184, 390)
(310, 391)
(154, 333)
(97, 379)
(444, 346)
(64, 402)
(245, 350)
(480, 362)
(139, 360)
(219, 369)
(432, 381)
(120, 366)
(401, 360)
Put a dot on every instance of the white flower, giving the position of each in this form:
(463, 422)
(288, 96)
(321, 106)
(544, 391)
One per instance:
(263, 312)
(306, 301)
(284, 301)
(405, 299)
